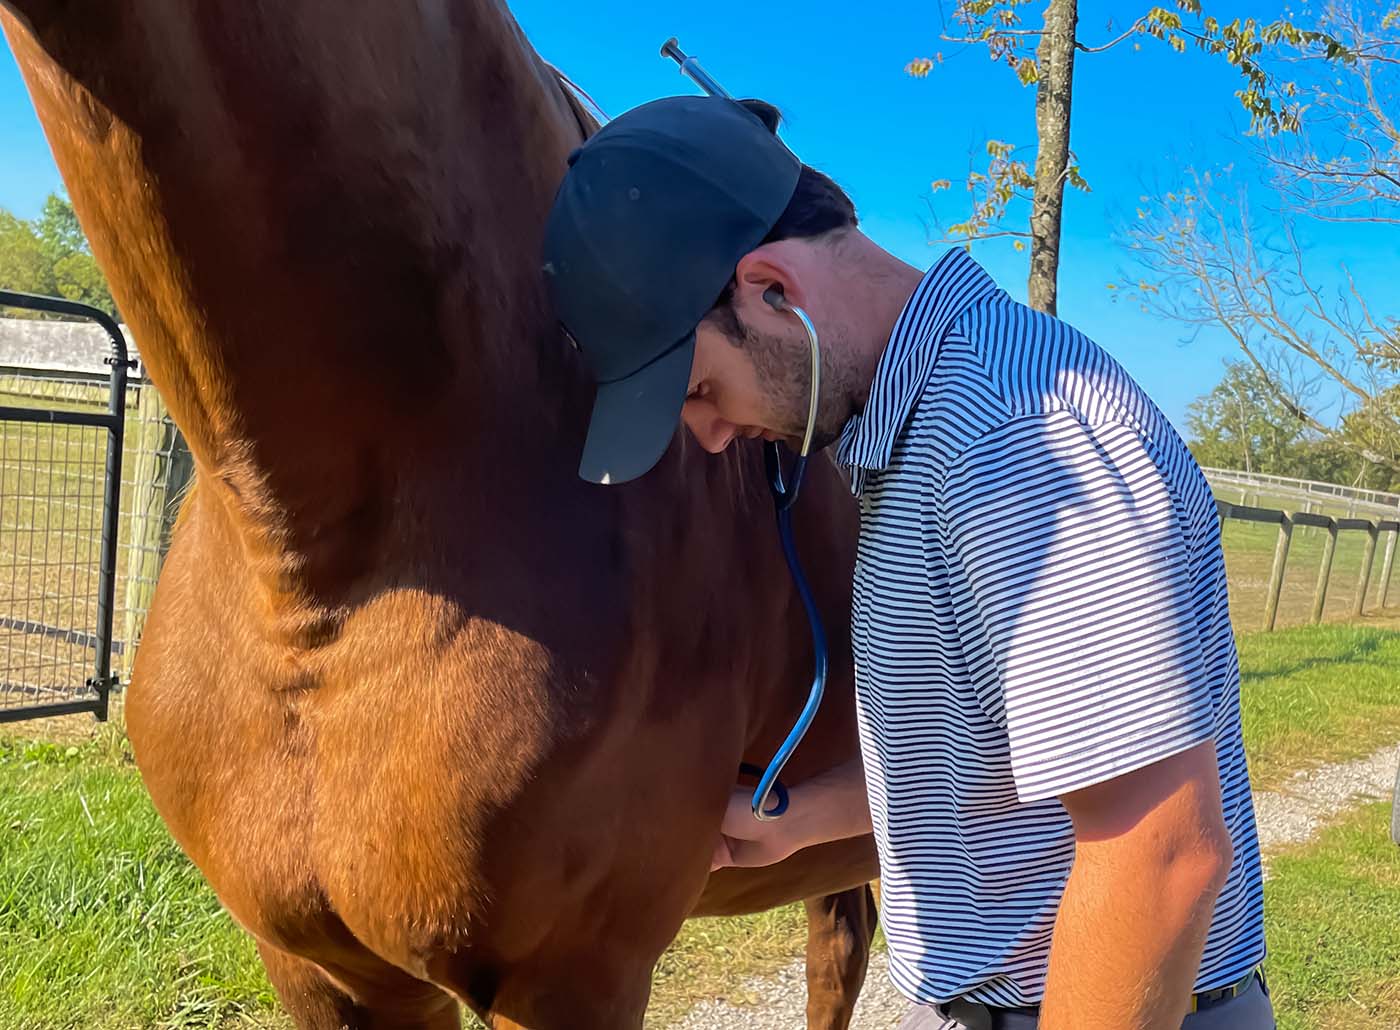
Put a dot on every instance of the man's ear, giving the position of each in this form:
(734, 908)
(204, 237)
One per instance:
(761, 269)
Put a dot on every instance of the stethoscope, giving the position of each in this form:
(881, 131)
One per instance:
(785, 488)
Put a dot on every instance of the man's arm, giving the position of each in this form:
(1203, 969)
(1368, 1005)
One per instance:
(828, 807)
(1151, 854)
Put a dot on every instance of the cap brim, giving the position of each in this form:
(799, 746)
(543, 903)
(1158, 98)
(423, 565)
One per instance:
(634, 419)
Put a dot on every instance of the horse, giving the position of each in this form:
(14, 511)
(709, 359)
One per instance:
(440, 723)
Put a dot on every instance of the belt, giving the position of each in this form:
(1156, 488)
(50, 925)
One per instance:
(975, 1015)
(1210, 999)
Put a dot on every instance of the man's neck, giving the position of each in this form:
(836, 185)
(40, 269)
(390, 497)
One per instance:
(890, 283)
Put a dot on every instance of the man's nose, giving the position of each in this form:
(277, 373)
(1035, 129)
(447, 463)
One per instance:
(713, 432)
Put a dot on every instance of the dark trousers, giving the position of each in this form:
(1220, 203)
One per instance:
(1250, 1010)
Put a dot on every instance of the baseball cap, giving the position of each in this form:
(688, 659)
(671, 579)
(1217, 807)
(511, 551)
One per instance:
(653, 215)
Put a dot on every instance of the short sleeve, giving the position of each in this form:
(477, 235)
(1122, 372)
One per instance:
(1065, 543)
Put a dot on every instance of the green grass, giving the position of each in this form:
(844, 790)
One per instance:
(1333, 916)
(1322, 504)
(104, 925)
(713, 958)
(1317, 694)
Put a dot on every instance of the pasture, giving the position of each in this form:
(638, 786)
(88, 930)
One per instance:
(51, 499)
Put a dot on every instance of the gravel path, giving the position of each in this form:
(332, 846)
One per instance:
(1294, 812)
(1290, 815)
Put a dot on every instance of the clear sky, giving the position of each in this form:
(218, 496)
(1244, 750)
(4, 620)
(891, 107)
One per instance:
(836, 70)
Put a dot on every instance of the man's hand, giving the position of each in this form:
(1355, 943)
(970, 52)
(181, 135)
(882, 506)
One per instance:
(746, 841)
(1151, 854)
(828, 807)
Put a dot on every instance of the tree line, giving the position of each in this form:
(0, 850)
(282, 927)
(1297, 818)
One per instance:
(49, 255)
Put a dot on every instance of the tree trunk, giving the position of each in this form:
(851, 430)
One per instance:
(1055, 58)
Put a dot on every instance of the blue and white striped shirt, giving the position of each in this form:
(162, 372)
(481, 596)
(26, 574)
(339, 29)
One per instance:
(1039, 606)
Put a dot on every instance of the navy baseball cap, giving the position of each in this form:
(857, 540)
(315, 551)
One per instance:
(653, 215)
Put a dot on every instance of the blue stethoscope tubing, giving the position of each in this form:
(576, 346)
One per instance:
(785, 493)
(783, 497)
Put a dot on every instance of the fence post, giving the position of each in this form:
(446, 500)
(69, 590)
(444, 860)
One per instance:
(1384, 589)
(1285, 534)
(1329, 548)
(162, 469)
(1368, 558)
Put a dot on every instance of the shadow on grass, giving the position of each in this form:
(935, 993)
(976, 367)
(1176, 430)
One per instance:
(1358, 656)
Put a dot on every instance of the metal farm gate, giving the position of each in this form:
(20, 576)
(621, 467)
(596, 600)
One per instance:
(60, 480)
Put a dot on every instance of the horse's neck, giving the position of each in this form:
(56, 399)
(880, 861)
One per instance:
(323, 228)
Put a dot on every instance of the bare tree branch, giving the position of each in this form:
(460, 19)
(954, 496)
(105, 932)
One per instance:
(1204, 267)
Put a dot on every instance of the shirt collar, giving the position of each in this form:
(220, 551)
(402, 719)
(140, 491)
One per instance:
(950, 287)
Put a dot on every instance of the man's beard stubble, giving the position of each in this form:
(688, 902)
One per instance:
(783, 365)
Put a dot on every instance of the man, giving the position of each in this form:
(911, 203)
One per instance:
(1046, 677)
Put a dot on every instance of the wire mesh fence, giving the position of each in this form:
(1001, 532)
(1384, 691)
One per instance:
(52, 480)
(51, 502)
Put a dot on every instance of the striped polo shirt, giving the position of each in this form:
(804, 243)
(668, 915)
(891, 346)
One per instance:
(1039, 606)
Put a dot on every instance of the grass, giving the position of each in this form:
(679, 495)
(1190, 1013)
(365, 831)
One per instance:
(104, 925)
(51, 479)
(1322, 504)
(714, 958)
(1317, 694)
(1309, 696)
(50, 525)
(1333, 916)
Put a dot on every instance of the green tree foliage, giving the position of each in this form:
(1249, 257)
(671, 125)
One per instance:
(50, 256)
(1243, 423)
(23, 264)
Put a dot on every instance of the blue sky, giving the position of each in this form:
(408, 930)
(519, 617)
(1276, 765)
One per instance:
(836, 69)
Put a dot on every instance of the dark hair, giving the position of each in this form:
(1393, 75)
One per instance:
(818, 206)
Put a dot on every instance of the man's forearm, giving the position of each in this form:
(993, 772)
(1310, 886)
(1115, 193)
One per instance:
(1128, 942)
(832, 805)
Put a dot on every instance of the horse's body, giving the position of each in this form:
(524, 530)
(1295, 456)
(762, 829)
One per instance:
(438, 721)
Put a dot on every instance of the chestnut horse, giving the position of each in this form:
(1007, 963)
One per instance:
(439, 722)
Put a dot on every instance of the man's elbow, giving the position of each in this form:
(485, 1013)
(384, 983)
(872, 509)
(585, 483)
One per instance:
(1197, 869)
